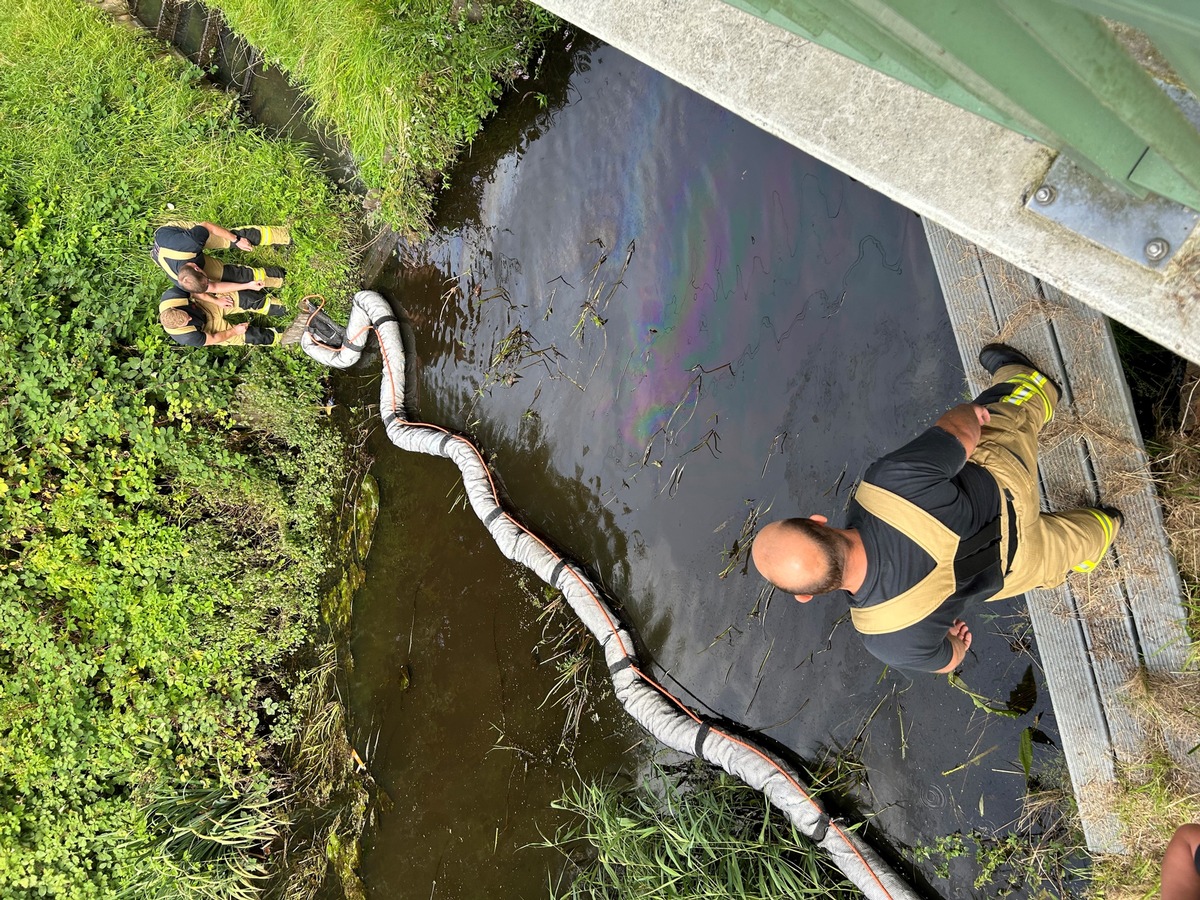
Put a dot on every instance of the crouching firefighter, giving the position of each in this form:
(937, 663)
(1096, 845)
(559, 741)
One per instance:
(179, 251)
(952, 517)
(199, 320)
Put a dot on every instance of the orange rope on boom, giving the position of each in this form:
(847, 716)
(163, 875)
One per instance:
(603, 607)
(803, 793)
(662, 690)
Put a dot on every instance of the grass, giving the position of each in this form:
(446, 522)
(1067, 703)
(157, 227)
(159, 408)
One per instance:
(567, 645)
(1178, 465)
(1160, 792)
(166, 514)
(686, 832)
(405, 83)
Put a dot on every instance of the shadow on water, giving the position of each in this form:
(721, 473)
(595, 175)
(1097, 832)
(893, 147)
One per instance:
(663, 325)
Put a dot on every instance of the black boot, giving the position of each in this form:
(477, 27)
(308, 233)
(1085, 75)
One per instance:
(1113, 513)
(995, 357)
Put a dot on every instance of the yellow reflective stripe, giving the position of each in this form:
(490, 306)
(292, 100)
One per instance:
(264, 234)
(162, 254)
(259, 274)
(172, 303)
(1028, 385)
(266, 304)
(168, 253)
(1106, 523)
(1110, 527)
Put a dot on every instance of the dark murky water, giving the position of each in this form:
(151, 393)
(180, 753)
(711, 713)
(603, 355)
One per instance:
(659, 320)
(467, 755)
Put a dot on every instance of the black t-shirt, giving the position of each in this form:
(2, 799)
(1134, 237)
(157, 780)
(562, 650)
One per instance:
(931, 472)
(190, 239)
(196, 318)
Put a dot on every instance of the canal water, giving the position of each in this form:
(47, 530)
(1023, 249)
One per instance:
(662, 325)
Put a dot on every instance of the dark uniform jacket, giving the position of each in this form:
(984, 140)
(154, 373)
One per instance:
(197, 319)
(175, 245)
(931, 472)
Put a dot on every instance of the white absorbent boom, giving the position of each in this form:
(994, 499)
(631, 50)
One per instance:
(667, 719)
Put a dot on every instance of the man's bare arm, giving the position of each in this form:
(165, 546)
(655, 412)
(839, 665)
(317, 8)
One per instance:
(959, 636)
(222, 336)
(228, 287)
(964, 422)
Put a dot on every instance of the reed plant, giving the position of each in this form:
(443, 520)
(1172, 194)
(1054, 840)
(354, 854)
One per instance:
(207, 841)
(686, 832)
(405, 83)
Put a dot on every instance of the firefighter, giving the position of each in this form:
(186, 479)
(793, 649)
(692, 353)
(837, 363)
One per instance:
(199, 320)
(179, 250)
(952, 517)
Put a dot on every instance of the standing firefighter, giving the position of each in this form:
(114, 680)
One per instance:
(951, 517)
(179, 250)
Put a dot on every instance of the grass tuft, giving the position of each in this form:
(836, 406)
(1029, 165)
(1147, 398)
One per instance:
(687, 832)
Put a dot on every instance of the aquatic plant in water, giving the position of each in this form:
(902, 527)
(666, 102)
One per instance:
(686, 832)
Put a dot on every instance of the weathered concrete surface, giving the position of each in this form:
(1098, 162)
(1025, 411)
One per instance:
(949, 165)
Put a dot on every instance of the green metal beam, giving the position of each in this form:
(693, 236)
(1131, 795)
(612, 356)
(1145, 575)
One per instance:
(800, 17)
(1181, 17)
(1183, 53)
(991, 49)
(1049, 69)
(1087, 49)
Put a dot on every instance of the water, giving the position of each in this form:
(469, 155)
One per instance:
(658, 320)
(466, 759)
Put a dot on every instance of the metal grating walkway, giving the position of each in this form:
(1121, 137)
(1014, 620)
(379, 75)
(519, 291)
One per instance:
(1096, 631)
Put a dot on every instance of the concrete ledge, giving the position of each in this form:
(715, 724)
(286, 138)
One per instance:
(951, 166)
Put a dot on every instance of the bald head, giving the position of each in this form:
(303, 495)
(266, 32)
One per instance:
(800, 556)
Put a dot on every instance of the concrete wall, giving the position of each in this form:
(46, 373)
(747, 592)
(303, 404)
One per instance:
(953, 167)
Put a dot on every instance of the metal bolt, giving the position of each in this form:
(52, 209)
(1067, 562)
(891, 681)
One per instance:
(1045, 195)
(1157, 249)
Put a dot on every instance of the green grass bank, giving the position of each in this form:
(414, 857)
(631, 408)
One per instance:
(166, 513)
(405, 83)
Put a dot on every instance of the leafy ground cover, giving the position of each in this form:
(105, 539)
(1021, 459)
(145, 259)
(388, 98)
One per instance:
(164, 511)
(406, 83)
